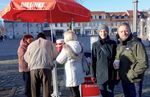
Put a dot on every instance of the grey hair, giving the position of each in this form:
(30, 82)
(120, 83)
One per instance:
(69, 35)
(125, 24)
(103, 26)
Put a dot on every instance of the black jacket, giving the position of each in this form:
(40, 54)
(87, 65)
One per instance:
(103, 55)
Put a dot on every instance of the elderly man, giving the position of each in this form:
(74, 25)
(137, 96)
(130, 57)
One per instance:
(131, 60)
(39, 56)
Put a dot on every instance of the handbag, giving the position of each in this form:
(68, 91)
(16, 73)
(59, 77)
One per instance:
(90, 88)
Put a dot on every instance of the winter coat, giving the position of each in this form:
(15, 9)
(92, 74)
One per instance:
(74, 74)
(133, 59)
(23, 66)
(103, 55)
(40, 54)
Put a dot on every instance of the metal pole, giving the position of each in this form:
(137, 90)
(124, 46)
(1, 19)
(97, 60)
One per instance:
(135, 2)
(55, 93)
(148, 27)
(141, 27)
(28, 28)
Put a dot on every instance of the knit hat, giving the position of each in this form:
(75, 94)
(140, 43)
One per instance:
(105, 27)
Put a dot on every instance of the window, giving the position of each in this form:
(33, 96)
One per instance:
(100, 17)
(61, 24)
(113, 17)
(95, 16)
(122, 17)
(56, 25)
(88, 32)
(16, 25)
(125, 16)
(46, 25)
(117, 17)
(37, 25)
(24, 25)
(79, 25)
(85, 24)
(139, 16)
(30, 25)
(77, 31)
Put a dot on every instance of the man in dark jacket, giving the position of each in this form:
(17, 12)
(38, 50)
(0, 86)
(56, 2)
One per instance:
(132, 61)
(103, 55)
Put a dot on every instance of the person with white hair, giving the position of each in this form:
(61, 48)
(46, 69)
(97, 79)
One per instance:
(70, 55)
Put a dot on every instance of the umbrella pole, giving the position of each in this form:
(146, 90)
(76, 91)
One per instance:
(54, 73)
(28, 28)
(41, 28)
(51, 33)
(72, 25)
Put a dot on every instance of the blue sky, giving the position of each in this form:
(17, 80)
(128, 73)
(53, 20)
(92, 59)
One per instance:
(104, 5)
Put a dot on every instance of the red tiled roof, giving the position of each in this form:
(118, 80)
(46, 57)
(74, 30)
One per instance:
(117, 13)
(130, 12)
(98, 12)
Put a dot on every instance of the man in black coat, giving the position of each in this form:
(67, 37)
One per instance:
(103, 55)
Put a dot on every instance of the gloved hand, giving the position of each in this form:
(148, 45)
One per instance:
(116, 64)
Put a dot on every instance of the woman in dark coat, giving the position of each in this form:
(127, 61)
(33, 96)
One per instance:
(103, 55)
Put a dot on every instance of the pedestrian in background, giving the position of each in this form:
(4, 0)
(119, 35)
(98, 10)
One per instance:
(23, 66)
(103, 55)
(132, 60)
(39, 56)
(71, 56)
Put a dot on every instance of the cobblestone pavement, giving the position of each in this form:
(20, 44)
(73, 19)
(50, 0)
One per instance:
(11, 83)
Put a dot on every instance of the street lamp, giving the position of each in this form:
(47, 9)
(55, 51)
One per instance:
(142, 27)
(148, 27)
(135, 2)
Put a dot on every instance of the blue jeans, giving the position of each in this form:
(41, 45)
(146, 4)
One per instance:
(26, 78)
(107, 89)
(132, 89)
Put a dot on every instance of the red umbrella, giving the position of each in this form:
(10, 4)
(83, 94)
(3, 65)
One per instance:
(46, 11)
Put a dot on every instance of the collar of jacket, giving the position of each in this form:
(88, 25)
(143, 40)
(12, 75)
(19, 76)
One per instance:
(103, 41)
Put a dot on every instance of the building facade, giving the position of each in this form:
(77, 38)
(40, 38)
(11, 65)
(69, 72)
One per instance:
(112, 19)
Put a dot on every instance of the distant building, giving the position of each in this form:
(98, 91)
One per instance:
(112, 19)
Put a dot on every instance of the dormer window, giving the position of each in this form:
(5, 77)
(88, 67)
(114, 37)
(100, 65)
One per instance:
(122, 17)
(116, 17)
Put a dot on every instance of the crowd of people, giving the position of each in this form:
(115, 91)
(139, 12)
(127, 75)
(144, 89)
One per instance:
(124, 60)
